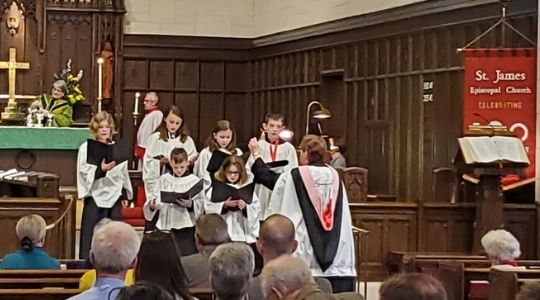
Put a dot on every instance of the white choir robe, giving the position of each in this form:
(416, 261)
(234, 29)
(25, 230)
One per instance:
(240, 227)
(285, 151)
(202, 161)
(284, 201)
(151, 166)
(173, 216)
(149, 124)
(106, 190)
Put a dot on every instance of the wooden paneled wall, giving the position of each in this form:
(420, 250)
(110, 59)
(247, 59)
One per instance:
(371, 77)
(372, 80)
(433, 227)
(207, 77)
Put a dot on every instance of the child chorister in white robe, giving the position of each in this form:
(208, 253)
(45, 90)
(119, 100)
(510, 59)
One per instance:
(100, 184)
(278, 154)
(220, 144)
(179, 199)
(232, 196)
(159, 145)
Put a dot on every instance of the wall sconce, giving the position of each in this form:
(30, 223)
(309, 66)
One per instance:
(322, 113)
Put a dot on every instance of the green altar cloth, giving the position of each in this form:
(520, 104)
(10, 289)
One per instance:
(45, 138)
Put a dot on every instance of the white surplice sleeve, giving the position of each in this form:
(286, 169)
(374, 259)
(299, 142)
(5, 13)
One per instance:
(147, 211)
(151, 166)
(212, 207)
(85, 172)
(201, 164)
(189, 146)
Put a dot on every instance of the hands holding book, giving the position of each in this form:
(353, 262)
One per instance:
(241, 204)
(106, 167)
(184, 202)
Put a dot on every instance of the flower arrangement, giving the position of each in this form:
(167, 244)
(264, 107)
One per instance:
(74, 93)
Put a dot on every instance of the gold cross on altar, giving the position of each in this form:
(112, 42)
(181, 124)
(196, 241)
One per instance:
(12, 65)
(10, 111)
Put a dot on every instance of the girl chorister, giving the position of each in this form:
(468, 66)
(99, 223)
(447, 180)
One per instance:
(232, 195)
(223, 139)
(100, 183)
(171, 134)
(179, 198)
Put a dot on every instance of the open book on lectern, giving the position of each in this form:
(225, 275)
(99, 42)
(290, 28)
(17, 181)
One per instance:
(494, 149)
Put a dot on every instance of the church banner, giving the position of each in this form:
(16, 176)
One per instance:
(500, 89)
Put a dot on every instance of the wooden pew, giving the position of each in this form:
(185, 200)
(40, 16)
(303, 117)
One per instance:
(506, 283)
(39, 284)
(456, 277)
(402, 261)
(42, 294)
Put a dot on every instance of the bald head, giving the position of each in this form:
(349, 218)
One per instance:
(276, 237)
(284, 275)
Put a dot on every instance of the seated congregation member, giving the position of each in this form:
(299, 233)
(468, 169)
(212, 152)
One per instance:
(223, 139)
(314, 198)
(31, 231)
(407, 286)
(288, 277)
(89, 277)
(144, 290)
(231, 268)
(276, 238)
(114, 250)
(171, 134)
(337, 152)
(159, 263)
(232, 195)
(179, 216)
(210, 232)
(501, 247)
(100, 186)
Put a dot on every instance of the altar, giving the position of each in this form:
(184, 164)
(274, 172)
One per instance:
(50, 149)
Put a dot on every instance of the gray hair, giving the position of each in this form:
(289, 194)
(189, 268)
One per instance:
(32, 227)
(153, 95)
(231, 268)
(501, 244)
(114, 247)
(286, 273)
(61, 84)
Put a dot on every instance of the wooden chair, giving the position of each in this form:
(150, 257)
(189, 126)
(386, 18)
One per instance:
(445, 185)
(355, 180)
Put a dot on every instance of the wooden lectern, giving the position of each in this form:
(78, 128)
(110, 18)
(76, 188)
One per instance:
(488, 158)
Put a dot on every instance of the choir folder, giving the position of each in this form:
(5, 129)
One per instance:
(97, 151)
(171, 197)
(221, 191)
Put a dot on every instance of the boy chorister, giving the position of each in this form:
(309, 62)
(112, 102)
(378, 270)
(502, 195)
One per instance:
(179, 214)
(278, 154)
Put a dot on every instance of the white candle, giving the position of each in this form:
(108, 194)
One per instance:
(136, 109)
(100, 77)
